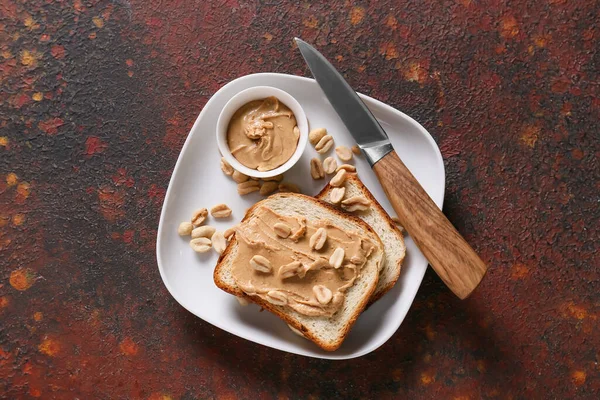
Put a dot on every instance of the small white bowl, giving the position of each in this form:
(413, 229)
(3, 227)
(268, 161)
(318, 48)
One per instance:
(258, 93)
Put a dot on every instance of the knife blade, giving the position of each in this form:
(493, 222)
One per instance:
(447, 251)
(369, 135)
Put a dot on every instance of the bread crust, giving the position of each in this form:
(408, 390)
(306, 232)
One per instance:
(324, 193)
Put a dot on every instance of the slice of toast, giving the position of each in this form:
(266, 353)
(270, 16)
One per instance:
(386, 229)
(327, 332)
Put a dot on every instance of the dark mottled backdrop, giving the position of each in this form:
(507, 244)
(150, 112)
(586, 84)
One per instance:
(97, 98)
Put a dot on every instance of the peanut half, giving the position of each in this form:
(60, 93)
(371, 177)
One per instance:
(185, 228)
(292, 269)
(324, 145)
(337, 257)
(238, 177)
(248, 187)
(329, 165)
(356, 203)
(282, 230)
(218, 242)
(318, 264)
(322, 293)
(201, 245)
(358, 259)
(347, 167)
(355, 149)
(268, 187)
(338, 179)
(317, 240)
(316, 169)
(247, 288)
(199, 216)
(220, 211)
(344, 153)
(277, 297)
(203, 231)
(315, 135)
(261, 264)
(337, 194)
(226, 167)
(229, 233)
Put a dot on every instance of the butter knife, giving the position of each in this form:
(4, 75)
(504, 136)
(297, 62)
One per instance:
(448, 253)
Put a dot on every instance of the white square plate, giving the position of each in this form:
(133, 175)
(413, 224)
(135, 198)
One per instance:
(197, 182)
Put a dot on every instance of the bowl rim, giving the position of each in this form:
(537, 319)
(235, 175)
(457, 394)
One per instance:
(257, 93)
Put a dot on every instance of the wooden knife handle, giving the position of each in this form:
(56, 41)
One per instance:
(446, 250)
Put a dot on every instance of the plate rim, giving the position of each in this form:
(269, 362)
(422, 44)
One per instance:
(332, 355)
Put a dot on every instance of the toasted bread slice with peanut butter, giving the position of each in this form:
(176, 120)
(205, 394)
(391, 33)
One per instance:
(386, 229)
(327, 332)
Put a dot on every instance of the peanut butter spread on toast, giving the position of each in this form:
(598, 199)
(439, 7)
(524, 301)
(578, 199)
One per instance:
(290, 261)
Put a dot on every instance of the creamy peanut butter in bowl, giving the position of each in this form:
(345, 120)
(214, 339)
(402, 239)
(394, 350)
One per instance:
(262, 131)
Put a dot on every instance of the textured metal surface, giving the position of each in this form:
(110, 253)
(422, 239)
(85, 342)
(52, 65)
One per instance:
(359, 120)
(97, 98)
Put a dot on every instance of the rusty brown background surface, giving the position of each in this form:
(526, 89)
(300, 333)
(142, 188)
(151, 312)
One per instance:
(97, 97)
